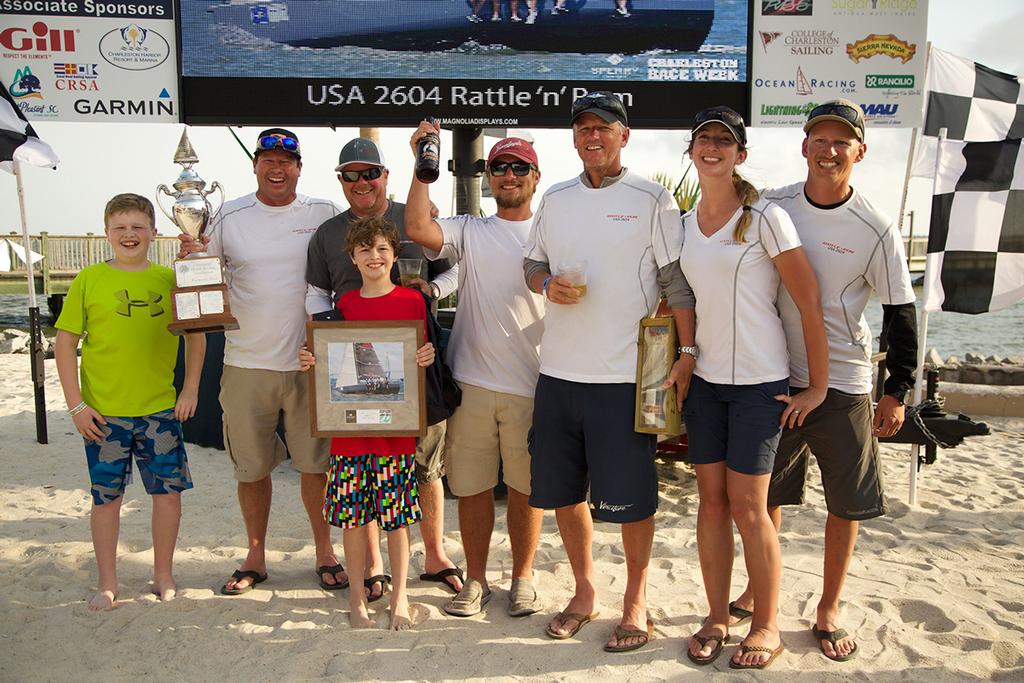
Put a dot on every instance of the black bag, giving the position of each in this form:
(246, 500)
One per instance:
(443, 394)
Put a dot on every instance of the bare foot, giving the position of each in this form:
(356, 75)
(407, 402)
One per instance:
(400, 618)
(706, 633)
(103, 601)
(562, 627)
(165, 589)
(359, 615)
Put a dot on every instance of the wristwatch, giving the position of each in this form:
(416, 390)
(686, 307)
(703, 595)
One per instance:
(900, 396)
(692, 350)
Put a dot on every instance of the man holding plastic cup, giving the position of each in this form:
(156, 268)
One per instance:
(626, 228)
(330, 273)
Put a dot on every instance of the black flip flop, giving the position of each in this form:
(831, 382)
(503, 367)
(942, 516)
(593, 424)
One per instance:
(383, 579)
(443, 576)
(238, 575)
(741, 615)
(331, 569)
(832, 637)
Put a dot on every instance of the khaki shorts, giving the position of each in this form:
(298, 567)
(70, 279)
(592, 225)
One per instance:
(487, 428)
(430, 454)
(252, 401)
(838, 434)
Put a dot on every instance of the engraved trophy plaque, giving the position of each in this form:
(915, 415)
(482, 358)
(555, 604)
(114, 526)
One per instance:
(200, 299)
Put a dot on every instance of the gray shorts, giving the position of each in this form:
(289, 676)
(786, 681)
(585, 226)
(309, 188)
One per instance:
(838, 434)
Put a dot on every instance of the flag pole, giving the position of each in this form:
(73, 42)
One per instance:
(922, 335)
(35, 330)
(914, 133)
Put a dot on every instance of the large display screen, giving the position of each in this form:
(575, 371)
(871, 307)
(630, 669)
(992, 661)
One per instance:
(466, 62)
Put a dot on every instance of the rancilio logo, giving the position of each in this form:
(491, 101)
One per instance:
(889, 81)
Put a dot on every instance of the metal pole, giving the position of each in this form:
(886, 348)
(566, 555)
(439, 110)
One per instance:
(922, 337)
(468, 166)
(35, 330)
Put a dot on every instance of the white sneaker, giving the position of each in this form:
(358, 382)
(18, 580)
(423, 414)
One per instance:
(473, 18)
(622, 11)
(515, 18)
(496, 18)
(531, 17)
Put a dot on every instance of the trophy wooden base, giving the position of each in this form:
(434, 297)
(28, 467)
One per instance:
(201, 309)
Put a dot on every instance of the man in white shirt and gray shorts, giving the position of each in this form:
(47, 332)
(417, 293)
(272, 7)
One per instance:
(493, 353)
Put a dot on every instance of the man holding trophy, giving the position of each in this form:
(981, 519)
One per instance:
(263, 238)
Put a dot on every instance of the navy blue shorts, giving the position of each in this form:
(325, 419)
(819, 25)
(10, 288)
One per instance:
(737, 423)
(583, 436)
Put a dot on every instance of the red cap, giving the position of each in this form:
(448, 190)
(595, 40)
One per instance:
(515, 147)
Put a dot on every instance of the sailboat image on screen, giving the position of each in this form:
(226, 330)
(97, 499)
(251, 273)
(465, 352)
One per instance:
(362, 371)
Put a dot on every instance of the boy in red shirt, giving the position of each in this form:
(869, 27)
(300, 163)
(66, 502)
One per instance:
(373, 477)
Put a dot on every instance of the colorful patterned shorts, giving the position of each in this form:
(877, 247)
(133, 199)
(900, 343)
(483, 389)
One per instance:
(155, 441)
(366, 488)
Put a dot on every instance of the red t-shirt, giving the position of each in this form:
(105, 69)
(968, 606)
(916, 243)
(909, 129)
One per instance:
(398, 304)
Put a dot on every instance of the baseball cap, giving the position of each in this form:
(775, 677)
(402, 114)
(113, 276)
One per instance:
(725, 116)
(602, 103)
(841, 110)
(278, 138)
(360, 151)
(515, 147)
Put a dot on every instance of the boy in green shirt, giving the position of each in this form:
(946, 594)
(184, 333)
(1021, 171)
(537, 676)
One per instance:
(126, 403)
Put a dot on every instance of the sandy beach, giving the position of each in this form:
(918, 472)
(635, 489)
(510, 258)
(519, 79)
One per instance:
(935, 592)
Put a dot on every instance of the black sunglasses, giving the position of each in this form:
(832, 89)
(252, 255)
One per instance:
(519, 168)
(726, 116)
(278, 141)
(843, 111)
(600, 100)
(368, 174)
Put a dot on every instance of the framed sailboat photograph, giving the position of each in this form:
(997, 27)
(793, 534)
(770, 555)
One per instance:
(366, 381)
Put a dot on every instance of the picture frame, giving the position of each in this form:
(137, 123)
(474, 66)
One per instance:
(366, 381)
(656, 411)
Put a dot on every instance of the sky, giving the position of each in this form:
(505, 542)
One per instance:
(100, 160)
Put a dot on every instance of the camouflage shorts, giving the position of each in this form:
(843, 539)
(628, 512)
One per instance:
(155, 441)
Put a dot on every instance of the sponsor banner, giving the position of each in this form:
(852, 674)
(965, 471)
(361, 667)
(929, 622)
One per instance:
(806, 52)
(85, 60)
(395, 102)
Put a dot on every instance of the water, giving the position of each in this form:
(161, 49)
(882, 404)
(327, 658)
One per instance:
(217, 50)
(953, 334)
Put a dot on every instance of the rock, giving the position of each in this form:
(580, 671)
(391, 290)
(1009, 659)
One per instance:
(1012, 360)
(992, 360)
(952, 360)
(13, 341)
(973, 358)
(933, 359)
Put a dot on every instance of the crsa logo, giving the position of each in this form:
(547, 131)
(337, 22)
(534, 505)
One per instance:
(40, 38)
(789, 8)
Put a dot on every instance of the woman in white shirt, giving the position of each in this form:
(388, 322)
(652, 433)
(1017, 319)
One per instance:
(736, 250)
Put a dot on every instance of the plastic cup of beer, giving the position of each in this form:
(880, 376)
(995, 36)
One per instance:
(576, 273)
(408, 270)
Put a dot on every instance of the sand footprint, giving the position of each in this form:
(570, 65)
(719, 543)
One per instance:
(930, 617)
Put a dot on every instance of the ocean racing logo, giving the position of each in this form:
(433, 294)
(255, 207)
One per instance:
(134, 48)
(876, 44)
(25, 86)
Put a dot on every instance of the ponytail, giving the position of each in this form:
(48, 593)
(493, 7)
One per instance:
(748, 195)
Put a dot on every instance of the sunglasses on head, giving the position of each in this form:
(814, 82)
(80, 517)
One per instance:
(278, 141)
(368, 174)
(519, 168)
(843, 111)
(724, 115)
(596, 99)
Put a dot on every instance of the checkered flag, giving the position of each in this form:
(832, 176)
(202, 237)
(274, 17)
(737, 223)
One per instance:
(976, 238)
(18, 141)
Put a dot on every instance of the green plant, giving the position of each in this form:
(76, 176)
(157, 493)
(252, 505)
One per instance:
(686, 191)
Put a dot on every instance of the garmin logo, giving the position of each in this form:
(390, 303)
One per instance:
(125, 107)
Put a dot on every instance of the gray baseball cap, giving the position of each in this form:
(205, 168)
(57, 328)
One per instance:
(360, 151)
(841, 110)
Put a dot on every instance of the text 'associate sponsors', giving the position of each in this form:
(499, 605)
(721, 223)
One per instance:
(142, 9)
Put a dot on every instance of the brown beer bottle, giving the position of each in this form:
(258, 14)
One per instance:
(428, 156)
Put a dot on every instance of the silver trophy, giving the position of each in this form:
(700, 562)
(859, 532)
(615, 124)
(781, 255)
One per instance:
(200, 299)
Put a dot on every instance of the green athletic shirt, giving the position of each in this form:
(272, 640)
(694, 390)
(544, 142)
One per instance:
(128, 356)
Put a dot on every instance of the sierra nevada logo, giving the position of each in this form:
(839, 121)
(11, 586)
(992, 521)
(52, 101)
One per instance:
(876, 44)
(25, 85)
